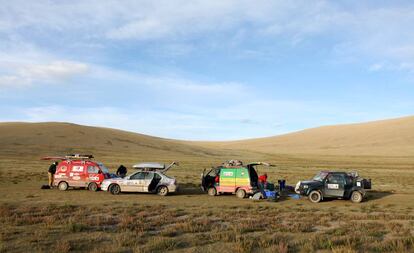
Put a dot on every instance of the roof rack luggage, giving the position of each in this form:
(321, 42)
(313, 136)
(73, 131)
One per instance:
(78, 156)
(150, 166)
(69, 157)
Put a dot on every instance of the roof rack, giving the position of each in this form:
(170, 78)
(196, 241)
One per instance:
(151, 166)
(78, 156)
(69, 157)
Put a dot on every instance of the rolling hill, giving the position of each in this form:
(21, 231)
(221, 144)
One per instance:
(53, 138)
(393, 137)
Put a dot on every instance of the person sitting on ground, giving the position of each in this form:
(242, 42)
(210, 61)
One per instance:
(122, 171)
(51, 173)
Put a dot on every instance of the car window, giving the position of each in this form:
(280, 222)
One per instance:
(348, 180)
(103, 168)
(150, 175)
(214, 172)
(157, 176)
(139, 175)
(336, 179)
(320, 176)
(93, 169)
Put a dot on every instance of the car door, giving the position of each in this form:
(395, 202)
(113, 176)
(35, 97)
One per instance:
(135, 182)
(147, 181)
(334, 185)
(94, 174)
(227, 180)
(242, 178)
(77, 175)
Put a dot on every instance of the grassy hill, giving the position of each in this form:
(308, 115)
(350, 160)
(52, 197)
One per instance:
(393, 137)
(60, 138)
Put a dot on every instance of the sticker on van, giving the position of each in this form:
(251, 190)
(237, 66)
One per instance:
(77, 168)
(333, 186)
(228, 173)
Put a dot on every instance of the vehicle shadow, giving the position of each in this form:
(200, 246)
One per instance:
(190, 189)
(371, 195)
(374, 195)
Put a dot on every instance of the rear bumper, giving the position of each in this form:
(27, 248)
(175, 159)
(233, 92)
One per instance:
(172, 188)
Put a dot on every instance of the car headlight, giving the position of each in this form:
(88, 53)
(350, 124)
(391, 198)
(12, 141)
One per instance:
(305, 186)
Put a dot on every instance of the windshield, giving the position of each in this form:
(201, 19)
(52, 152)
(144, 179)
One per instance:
(214, 172)
(104, 169)
(320, 176)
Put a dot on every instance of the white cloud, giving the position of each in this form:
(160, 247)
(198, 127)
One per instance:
(376, 67)
(29, 73)
(169, 84)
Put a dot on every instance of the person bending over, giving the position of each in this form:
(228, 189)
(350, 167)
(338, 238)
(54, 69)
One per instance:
(122, 171)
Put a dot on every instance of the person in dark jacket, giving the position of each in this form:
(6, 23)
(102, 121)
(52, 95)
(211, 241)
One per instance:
(122, 171)
(51, 173)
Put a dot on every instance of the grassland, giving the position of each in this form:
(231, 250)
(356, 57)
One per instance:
(190, 221)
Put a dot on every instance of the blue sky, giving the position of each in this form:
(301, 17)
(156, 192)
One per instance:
(206, 70)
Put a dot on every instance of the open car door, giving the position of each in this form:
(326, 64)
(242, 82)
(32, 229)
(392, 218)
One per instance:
(170, 166)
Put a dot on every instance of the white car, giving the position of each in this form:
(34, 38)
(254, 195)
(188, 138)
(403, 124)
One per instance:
(150, 177)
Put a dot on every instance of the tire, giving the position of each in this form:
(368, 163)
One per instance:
(63, 186)
(315, 196)
(212, 191)
(93, 187)
(114, 189)
(162, 190)
(356, 197)
(240, 193)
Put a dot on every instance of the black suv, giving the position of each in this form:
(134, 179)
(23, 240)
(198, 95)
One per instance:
(328, 184)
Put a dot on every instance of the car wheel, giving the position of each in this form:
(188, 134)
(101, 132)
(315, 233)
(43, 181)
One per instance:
(162, 191)
(114, 189)
(93, 187)
(63, 186)
(315, 196)
(356, 197)
(241, 193)
(212, 191)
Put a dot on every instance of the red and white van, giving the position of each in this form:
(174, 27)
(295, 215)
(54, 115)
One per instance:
(79, 171)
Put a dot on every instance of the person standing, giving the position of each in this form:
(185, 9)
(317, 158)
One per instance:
(51, 173)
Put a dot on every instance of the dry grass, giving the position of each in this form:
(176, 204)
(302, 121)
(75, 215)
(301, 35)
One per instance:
(159, 228)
